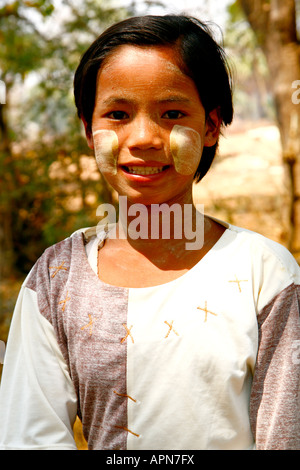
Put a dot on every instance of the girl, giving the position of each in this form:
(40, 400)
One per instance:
(155, 342)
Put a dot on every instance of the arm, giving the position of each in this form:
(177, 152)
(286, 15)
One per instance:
(275, 398)
(38, 403)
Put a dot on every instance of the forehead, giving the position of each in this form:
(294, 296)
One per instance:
(144, 68)
(126, 55)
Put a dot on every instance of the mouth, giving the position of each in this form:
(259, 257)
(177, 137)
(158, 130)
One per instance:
(144, 170)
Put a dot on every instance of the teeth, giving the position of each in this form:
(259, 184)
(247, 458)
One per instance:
(148, 170)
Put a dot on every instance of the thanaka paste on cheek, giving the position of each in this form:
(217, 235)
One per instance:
(106, 147)
(186, 150)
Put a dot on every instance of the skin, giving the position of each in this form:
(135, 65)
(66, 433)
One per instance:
(153, 111)
(185, 148)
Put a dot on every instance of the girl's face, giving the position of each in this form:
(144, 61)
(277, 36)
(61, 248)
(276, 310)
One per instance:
(149, 126)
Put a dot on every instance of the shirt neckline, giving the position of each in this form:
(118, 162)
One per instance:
(90, 259)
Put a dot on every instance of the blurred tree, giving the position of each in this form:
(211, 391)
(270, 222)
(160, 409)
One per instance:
(22, 43)
(40, 47)
(252, 98)
(274, 23)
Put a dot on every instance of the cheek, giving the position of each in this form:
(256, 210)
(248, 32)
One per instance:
(186, 149)
(106, 147)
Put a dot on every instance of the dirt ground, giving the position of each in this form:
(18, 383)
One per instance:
(246, 184)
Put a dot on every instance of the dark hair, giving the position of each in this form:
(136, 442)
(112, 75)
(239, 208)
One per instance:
(200, 58)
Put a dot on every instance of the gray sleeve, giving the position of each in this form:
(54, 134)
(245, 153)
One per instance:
(275, 397)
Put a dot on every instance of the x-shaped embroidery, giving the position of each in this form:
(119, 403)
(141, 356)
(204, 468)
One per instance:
(58, 268)
(128, 430)
(238, 281)
(127, 333)
(170, 325)
(206, 311)
(64, 302)
(124, 395)
(90, 324)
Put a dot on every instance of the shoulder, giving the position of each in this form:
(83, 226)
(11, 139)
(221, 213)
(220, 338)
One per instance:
(56, 256)
(274, 271)
(269, 265)
(267, 252)
(53, 269)
(53, 260)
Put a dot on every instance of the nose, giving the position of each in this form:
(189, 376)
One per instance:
(145, 134)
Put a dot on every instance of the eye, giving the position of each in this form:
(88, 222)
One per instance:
(173, 114)
(118, 115)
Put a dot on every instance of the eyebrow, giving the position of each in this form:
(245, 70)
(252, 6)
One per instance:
(175, 98)
(113, 100)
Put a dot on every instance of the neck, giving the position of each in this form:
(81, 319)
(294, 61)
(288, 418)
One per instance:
(177, 225)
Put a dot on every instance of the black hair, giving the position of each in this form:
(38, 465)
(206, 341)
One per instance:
(199, 56)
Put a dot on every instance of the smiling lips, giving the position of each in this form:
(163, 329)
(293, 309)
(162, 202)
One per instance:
(144, 170)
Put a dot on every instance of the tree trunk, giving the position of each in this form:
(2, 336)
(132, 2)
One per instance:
(7, 186)
(274, 24)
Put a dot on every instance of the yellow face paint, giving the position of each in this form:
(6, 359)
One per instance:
(106, 147)
(186, 149)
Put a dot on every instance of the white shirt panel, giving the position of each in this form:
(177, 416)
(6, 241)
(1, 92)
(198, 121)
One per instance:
(38, 403)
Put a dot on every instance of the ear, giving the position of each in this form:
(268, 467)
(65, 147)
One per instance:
(213, 126)
(88, 133)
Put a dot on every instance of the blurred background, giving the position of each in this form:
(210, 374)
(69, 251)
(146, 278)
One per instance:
(49, 182)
